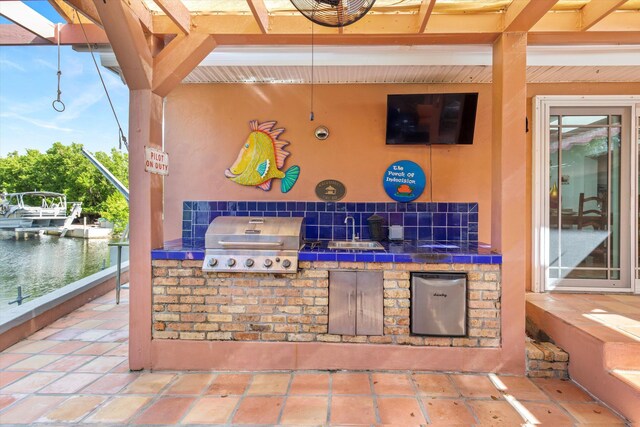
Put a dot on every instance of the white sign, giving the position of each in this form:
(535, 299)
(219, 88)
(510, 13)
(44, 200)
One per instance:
(156, 161)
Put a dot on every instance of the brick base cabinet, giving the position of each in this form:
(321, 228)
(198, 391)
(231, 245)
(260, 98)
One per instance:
(191, 306)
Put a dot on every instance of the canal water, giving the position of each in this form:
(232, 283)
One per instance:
(41, 264)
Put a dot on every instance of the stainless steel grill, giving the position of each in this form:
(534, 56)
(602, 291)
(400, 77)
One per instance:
(246, 244)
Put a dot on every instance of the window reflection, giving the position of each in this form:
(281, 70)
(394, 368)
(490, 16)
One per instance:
(584, 196)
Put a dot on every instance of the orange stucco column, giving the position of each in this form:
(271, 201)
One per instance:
(145, 220)
(509, 196)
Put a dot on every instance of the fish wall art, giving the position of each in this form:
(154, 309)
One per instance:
(261, 159)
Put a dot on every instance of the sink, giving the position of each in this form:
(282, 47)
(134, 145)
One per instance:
(358, 244)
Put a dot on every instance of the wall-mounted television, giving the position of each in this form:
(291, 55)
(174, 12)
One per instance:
(432, 118)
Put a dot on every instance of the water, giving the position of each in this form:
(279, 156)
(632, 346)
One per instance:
(41, 264)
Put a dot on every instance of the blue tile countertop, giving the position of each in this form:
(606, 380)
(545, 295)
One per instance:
(421, 251)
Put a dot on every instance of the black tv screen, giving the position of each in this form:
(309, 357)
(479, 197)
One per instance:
(438, 118)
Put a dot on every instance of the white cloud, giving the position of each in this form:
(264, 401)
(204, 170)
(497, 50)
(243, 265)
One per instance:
(46, 64)
(29, 107)
(79, 103)
(11, 64)
(36, 122)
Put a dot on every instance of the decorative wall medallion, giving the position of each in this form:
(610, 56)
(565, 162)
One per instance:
(330, 190)
(261, 159)
(404, 181)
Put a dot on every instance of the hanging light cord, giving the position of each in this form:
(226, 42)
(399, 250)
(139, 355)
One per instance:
(57, 104)
(311, 115)
(121, 138)
(431, 172)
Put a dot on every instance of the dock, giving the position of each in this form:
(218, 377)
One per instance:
(77, 231)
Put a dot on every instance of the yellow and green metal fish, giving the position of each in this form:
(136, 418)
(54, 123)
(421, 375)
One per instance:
(261, 159)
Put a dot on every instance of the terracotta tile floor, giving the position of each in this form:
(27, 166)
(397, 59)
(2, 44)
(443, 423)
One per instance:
(75, 372)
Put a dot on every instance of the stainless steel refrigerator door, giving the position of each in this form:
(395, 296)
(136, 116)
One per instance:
(438, 305)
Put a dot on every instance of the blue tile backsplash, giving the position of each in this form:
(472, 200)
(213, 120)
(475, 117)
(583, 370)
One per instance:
(325, 220)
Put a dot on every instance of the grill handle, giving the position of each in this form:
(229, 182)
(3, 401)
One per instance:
(243, 245)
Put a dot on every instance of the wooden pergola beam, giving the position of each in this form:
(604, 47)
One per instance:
(128, 41)
(178, 59)
(140, 10)
(522, 15)
(426, 8)
(355, 39)
(543, 38)
(260, 14)
(595, 11)
(68, 13)
(27, 18)
(177, 12)
(369, 24)
(380, 24)
(15, 35)
(87, 9)
(585, 38)
(70, 34)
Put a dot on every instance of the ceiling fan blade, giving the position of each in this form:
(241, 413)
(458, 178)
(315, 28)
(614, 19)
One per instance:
(333, 3)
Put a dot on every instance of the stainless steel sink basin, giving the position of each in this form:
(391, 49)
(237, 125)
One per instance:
(358, 244)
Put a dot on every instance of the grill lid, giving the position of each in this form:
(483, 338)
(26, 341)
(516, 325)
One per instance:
(273, 233)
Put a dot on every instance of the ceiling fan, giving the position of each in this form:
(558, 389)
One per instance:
(333, 13)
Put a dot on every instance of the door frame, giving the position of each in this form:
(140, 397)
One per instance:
(540, 181)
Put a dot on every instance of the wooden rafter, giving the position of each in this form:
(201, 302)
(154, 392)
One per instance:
(426, 7)
(68, 13)
(522, 15)
(140, 10)
(177, 12)
(260, 14)
(27, 18)
(85, 8)
(595, 11)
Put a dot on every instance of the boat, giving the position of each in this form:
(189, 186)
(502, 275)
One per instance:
(36, 210)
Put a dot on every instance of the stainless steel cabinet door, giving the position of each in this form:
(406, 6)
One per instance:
(369, 320)
(438, 304)
(342, 302)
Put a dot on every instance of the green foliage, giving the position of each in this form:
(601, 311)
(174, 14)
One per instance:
(116, 210)
(63, 169)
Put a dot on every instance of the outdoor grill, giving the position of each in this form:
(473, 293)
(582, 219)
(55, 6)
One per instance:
(246, 244)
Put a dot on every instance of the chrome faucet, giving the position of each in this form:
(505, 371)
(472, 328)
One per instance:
(354, 236)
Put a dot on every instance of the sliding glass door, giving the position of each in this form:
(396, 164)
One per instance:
(589, 198)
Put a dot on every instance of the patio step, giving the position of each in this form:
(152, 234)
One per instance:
(631, 378)
(603, 354)
(624, 356)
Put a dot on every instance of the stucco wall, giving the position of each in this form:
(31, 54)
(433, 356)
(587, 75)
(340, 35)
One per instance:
(206, 125)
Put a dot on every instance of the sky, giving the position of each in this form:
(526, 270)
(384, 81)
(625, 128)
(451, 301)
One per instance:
(28, 86)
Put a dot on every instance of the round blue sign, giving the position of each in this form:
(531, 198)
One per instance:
(404, 181)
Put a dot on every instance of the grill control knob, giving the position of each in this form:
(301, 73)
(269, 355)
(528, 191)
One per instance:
(231, 262)
(286, 263)
(268, 263)
(249, 262)
(213, 262)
